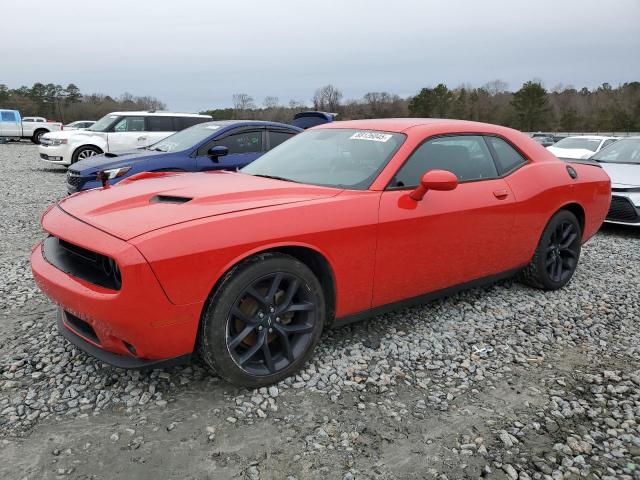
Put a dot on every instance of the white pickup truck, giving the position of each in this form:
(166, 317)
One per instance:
(13, 126)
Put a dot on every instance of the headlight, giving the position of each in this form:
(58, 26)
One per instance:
(116, 172)
(53, 142)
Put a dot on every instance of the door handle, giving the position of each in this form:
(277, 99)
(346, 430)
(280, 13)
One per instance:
(501, 194)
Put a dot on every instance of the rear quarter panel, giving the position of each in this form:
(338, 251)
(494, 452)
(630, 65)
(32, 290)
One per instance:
(541, 188)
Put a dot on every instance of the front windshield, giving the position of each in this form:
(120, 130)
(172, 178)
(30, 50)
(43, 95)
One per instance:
(342, 158)
(187, 138)
(590, 144)
(623, 151)
(102, 124)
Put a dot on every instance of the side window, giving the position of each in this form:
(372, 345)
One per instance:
(130, 124)
(28, 120)
(160, 124)
(186, 122)
(507, 157)
(607, 143)
(245, 142)
(277, 137)
(8, 116)
(466, 155)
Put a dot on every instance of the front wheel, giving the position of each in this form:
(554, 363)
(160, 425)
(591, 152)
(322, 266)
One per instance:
(556, 257)
(263, 321)
(84, 152)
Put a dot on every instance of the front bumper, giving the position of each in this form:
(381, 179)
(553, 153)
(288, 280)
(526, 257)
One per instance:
(58, 154)
(622, 210)
(135, 326)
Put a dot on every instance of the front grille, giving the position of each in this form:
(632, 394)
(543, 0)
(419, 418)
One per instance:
(74, 179)
(85, 264)
(622, 210)
(81, 327)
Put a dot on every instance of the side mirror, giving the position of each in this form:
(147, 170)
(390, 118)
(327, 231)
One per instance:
(217, 151)
(441, 180)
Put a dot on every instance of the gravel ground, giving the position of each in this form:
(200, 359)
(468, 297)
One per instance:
(502, 383)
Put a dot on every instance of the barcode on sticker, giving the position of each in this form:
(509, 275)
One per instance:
(373, 136)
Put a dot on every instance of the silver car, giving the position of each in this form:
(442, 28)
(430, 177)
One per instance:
(622, 162)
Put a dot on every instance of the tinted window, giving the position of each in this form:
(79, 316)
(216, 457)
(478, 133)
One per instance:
(276, 137)
(130, 124)
(160, 124)
(8, 116)
(186, 122)
(467, 156)
(245, 142)
(507, 157)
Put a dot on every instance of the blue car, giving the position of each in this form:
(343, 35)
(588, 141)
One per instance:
(218, 145)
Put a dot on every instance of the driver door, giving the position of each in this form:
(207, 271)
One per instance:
(244, 146)
(449, 237)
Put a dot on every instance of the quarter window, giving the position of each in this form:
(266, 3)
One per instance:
(160, 124)
(245, 142)
(186, 122)
(130, 124)
(507, 157)
(467, 156)
(277, 137)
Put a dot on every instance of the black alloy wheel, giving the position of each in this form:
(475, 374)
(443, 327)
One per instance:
(270, 324)
(263, 320)
(562, 252)
(556, 257)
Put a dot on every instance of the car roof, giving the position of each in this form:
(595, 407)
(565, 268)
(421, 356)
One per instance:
(247, 123)
(403, 124)
(591, 137)
(145, 113)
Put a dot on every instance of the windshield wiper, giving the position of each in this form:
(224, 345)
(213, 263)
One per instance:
(274, 177)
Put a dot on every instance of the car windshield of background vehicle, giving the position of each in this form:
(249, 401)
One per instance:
(623, 151)
(184, 139)
(581, 143)
(341, 158)
(103, 124)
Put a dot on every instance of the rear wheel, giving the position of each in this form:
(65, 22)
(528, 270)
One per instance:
(37, 135)
(556, 257)
(85, 152)
(263, 321)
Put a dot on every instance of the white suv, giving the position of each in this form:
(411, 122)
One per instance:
(115, 132)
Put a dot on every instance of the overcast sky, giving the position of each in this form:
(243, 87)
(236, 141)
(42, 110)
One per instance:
(194, 54)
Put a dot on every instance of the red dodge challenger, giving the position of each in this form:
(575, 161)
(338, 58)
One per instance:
(341, 222)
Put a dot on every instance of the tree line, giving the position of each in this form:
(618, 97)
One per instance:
(530, 108)
(67, 104)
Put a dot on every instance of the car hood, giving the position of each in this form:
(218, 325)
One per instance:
(570, 152)
(137, 206)
(93, 164)
(74, 134)
(622, 175)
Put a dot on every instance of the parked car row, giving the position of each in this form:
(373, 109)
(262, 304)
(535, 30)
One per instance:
(335, 224)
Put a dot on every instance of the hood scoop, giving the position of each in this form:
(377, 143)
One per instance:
(169, 199)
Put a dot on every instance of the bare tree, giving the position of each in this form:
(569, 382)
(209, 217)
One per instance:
(495, 87)
(327, 98)
(242, 101)
(271, 102)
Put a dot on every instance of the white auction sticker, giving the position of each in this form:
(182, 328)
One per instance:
(212, 127)
(373, 136)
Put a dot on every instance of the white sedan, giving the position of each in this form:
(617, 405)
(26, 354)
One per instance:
(580, 147)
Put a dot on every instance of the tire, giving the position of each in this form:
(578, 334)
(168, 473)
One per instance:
(83, 152)
(37, 134)
(253, 339)
(557, 254)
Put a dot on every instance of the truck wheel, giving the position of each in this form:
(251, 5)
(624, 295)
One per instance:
(83, 152)
(37, 135)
